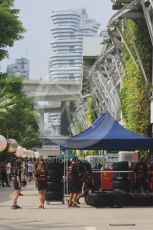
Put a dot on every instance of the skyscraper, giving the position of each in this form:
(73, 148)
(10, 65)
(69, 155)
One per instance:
(19, 68)
(69, 27)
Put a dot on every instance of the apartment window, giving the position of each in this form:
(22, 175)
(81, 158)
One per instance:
(71, 62)
(71, 76)
(71, 48)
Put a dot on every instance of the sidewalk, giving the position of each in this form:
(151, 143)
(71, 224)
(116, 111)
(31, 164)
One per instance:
(57, 216)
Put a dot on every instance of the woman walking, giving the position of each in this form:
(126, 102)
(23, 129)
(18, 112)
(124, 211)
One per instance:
(16, 183)
(41, 178)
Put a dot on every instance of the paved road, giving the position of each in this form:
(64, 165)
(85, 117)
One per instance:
(58, 217)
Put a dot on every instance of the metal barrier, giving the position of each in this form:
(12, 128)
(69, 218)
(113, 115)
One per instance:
(105, 178)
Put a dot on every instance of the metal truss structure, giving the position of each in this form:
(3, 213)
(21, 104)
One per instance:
(106, 74)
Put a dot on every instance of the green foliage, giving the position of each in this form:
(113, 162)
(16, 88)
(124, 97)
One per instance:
(90, 110)
(135, 100)
(11, 28)
(78, 127)
(7, 102)
(20, 122)
(142, 41)
(90, 118)
(11, 84)
(80, 154)
(135, 92)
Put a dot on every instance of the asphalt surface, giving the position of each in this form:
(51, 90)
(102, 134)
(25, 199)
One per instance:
(57, 216)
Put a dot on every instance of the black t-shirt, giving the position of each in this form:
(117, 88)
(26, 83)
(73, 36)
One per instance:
(17, 172)
(75, 174)
(70, 173)
(141, 170)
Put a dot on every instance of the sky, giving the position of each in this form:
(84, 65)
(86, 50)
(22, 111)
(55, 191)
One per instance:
(35, 16)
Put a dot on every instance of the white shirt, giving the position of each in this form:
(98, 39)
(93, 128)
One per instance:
(8, 171)
(30, 167)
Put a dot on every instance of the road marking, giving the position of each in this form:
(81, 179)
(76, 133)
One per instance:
(90, 228)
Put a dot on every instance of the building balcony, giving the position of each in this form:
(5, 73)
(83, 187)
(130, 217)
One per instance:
(65, 27)
(74, 39)
(65, 70)
(65, 50)
(66, 16)
(76, 53)
(66, 54)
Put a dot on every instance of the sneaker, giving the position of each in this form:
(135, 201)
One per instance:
(16, 207)
(19, 207)
(78, 202)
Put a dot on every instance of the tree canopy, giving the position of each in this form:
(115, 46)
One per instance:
(11, 28)
(20, 122)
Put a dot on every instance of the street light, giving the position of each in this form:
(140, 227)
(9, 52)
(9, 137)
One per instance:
(3, 143)
(19, 151)
(12, 145)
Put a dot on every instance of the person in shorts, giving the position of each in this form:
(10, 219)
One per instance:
(16, 183)
(41, 178)
(31, 169)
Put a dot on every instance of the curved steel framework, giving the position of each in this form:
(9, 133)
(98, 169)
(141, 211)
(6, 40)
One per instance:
(107, 72)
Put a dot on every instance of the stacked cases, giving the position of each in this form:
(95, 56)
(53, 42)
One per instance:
(55, 168)
(120, 175)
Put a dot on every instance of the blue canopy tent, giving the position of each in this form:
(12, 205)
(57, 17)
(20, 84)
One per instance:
(107, 134)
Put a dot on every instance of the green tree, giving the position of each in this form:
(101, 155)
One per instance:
(20, 123)
(11, 28)
(7, 102)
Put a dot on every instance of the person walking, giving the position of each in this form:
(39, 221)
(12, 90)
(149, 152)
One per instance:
(41, 178)
(31, 169)
(16, 183)
(8, 171)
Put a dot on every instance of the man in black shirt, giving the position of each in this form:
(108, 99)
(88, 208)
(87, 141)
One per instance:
(141, 174)
(74, 183)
